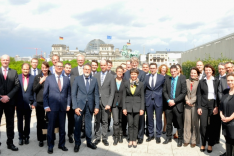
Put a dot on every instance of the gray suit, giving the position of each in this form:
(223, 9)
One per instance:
(106, 94)
(222, 86)
(74, 71)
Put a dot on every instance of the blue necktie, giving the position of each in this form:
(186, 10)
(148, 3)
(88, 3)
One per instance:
(152, 82)
(172, 88)
(87, 84)
(34, 72)
(102, 78)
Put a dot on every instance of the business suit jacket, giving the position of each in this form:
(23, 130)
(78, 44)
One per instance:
(191, 94)
(181, 91)
(39, 71)
(27, 97)
(141, 75)
(222, 86)
(202, 93)
(133, 102)
(53, 98)
(118, 96)
(80, 97)
(75, 71)
(107, 89)
(10, 86)
(155, 93)
(112, 72)
(203, 75)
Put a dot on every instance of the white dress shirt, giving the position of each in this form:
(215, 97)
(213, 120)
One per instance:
(3, 72)
(80, 70)
(222, 76)
(32, 71)
(211, 92)
(155, 79)
(61, 79)
(53, 69)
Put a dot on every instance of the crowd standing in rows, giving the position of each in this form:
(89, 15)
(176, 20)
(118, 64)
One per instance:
(196, 107)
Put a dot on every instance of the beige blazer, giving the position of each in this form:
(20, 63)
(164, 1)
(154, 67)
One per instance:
(191, 94)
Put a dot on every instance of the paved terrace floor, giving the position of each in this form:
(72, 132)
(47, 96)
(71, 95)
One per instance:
(145, 149)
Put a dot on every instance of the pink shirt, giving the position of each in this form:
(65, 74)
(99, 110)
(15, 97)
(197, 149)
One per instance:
(23, 77)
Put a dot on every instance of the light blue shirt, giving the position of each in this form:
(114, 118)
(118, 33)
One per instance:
(175, 84)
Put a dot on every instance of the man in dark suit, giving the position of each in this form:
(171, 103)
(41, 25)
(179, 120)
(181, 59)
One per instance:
(79, 69)
(9, 85)
(154, 101)
(85, 99)
(94, 65)
(141, 128)
(106, 85)
(174, 91)
(55, 59)
(57, 100)
(70, 113)
(146, 68)
(34, 70)
(109, 66)
(200, 66)
(25, 103)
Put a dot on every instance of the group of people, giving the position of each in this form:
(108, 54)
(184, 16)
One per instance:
(196, 107)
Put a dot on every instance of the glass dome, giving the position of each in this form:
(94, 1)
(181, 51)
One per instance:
(93, 46)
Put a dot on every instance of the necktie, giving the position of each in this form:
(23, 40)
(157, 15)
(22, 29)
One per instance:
(87, 84)
(25, 83)
(152, 82)
(34, 72)
(172, 87)
(5, 74)
(59, 83)
(102, 79)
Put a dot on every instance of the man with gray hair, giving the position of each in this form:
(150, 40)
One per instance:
(145, 68)
(9, 86)
(106, 85)
(79, 69)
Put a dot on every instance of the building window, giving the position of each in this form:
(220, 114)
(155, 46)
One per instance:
(170, 64)
(165, 59)
(150, 59)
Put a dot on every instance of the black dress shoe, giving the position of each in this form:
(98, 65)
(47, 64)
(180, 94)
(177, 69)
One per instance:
(76, 148)
(164, 132)
(149, 139)
(96, 142)
(125, 134)
(158, 140)
(26, 141)
(41, 143)
(105, 142)
(140, 141)
(167, 141)
(179, 144)
(21, 142)
(91, 145)
(82, 136)
(12, 147)
(71, 140)
(134, 146)
(224, 154)
(209, 151)
(202, 150)
(50, 150)
(63, 148)
(108, 129)
(120, 139)
(116, 140)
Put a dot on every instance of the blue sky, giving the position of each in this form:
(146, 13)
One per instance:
(153, 24)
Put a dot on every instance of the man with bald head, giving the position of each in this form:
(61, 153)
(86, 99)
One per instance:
(9, 86)
(106, 85)
(79, 69)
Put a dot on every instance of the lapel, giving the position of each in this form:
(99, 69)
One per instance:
(129, 87)
(188, 85)
(1, 74)
(91, 83)
(99, 79)
(55, 82)
(195, 84)
(157, 81)
(107, 75)
(21, 82)
(147, 81)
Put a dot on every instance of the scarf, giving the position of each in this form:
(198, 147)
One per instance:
(192, 80)
(132, 83)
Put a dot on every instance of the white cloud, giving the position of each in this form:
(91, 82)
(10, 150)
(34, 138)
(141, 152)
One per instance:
(154, 23)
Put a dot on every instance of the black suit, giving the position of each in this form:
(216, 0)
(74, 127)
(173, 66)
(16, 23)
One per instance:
(40, 112)
(175, 111)
(9, 87)
(117, 110)
(207, 119)
(133, 103)
(71, 112)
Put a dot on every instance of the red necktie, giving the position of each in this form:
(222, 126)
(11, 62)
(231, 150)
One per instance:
(5, 74)
(59, 84)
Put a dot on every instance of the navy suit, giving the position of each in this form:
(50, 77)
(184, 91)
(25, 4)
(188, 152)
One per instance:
(87, 102)
(23, 104)
(57, 102)
(154, 101)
